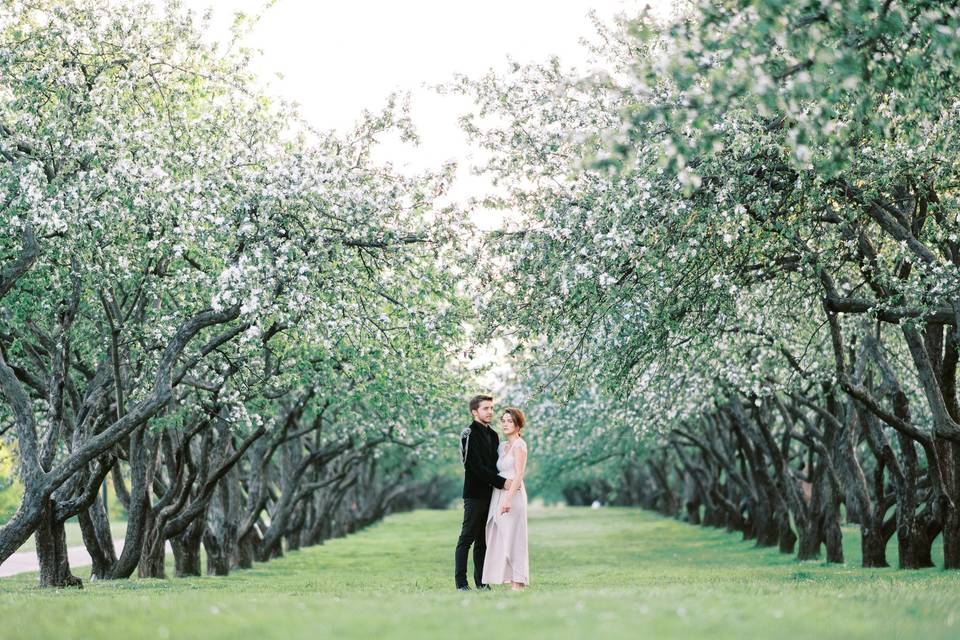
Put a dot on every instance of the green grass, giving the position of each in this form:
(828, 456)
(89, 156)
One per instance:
(610, 573)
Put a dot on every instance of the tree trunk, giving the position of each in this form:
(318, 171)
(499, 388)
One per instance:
(950, 462)
(246, 549)
(832, 535)
(221, 524)
(293, 540)
(269, 547)
(219, 560)
(186, 550)
(142, 448)
(765, 521)
(873, 546)
(153, 554)
(809, 548)
(733, 514)
(51, 542)
(95, 528)
(21, 526)
(921, 547)
(749, 524)
(294, 529)
(908, 543)
(951, 539)
(787, 538)
(909, 535)
(691, 498)
(873, 538)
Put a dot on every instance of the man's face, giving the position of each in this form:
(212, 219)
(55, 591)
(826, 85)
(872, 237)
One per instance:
(484, 413)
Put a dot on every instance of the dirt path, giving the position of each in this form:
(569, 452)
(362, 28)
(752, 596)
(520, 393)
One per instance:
(26, 561)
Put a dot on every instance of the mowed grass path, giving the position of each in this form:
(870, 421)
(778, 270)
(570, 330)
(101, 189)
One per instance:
(608, 573)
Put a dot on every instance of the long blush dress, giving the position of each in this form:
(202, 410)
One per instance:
(506, 560)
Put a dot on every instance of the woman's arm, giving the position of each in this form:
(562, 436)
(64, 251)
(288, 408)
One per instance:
(519, 465)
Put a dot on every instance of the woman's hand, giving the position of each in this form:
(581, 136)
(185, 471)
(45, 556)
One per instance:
(505, 507)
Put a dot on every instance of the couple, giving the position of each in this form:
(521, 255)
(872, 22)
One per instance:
(494, 500)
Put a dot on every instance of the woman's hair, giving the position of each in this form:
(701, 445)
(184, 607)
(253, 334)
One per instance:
(518, 418)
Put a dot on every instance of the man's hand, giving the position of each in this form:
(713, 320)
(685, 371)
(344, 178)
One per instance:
(507, 485)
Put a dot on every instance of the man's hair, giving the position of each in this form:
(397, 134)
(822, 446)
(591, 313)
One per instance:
(476, 400)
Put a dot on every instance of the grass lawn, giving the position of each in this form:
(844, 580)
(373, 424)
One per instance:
(609, 573)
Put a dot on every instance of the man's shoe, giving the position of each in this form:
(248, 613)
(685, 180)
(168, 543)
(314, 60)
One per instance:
(483, 586)
(463, 588)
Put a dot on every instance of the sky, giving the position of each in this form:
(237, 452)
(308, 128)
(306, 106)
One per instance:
(336, 58)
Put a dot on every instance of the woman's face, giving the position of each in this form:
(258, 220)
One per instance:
(507, 425)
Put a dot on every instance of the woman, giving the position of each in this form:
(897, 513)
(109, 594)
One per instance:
(506, 561)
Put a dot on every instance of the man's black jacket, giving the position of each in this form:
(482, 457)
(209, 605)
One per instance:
(478, 450)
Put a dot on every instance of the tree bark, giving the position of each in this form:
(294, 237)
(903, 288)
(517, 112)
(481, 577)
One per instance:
(51, 542)
(153, 554)
(141, 453)
(222, 522)
(186, 550)
(95, 528)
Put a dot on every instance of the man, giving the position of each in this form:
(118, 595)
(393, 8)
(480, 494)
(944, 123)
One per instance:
(478, 450)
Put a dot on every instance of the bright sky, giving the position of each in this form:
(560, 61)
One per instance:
(336, 58)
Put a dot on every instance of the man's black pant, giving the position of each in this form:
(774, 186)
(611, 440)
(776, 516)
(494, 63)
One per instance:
(472, 532)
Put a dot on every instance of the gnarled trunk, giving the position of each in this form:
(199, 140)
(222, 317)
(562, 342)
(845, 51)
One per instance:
(221, 526)
(873, 547)
(95, 529)
(152, 555)
(787, 538)
(51, 542)
(186, 550)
